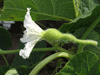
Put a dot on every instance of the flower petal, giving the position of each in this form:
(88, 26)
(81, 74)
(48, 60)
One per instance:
(30, 36)
(25, 53)
(29, 24)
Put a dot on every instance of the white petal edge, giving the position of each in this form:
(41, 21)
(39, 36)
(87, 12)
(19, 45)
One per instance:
(25, 53)
(30, 24)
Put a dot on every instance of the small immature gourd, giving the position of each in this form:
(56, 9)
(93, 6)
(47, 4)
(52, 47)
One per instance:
(53, 35)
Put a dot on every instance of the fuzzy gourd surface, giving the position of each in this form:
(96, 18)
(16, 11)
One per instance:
(52, 35)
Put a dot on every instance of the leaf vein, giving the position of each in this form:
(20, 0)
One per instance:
(42, 14)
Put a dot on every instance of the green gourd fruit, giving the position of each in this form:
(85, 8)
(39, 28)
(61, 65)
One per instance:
(53, 35)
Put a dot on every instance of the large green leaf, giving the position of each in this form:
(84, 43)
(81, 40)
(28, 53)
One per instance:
(40, 9)
(84, 6)
(87, 5)
(86, 63)
(93, 36)
(5, 39)
(46, 9)
(84, 20)
(34, 58)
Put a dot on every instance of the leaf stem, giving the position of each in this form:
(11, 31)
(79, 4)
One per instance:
(93, 25)
(5, 60)
(49, 59)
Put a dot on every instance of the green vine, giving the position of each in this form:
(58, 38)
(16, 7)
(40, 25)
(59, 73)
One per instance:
(93, 25)
(38, 67)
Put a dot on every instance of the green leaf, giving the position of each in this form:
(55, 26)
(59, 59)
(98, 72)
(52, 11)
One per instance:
(46, 9)
(12, 72)
(34, 58)
(84, 20)
(1, 0)
(5, 39)
(87, 5)
(40, 9)
(86, 63)
(3, 69)
(24, 70)
(93, 36)
(84, 6)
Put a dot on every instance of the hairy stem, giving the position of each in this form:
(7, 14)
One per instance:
(49, 59)
(69, 37)
(35, 49)
(93, 25)
(17, 50)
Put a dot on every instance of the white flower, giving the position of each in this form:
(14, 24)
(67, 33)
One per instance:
(32, 35)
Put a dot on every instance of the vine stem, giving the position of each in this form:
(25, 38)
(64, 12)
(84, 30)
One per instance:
(35, 49)
(93, 25)
(17, 50)
(38, 67)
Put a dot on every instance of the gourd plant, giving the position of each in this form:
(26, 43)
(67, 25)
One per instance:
(83, 17)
